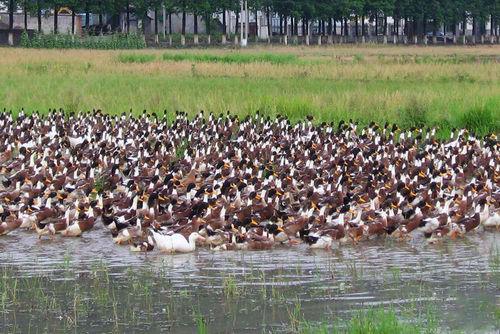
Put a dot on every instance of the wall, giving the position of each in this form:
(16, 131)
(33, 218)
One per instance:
(63, 22)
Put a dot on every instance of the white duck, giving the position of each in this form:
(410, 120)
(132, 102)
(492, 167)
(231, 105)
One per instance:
(176, 243)
(321, 242)
(493, 221)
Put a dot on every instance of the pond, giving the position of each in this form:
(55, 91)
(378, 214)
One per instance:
(90, 285)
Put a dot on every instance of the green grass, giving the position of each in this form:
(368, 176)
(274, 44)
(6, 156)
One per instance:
(331, 84)
(232, 58)
(136, 58)
(373, 321)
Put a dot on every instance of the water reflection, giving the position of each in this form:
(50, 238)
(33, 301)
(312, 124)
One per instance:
(255, 291)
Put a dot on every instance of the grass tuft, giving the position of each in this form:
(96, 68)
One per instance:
(414, 113)
(136, 58)
(233, 58)
(479, 119)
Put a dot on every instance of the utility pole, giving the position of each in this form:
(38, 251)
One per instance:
(247, 21)
(242, 35)
(164, 12)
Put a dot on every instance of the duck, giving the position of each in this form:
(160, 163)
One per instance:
(9, 224)
(175, 243)
(248, 183)
(81, 225)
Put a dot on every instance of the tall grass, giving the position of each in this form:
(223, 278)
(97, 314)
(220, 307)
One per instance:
(136, 58)
(232, 58)
(372, 321)
(333, 88)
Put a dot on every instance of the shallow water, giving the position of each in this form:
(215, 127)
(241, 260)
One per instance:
(108, 288)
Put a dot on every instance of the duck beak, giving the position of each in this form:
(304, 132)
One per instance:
(258, 198)
(421, 174)
(161, 198)
(361, 200)
(289, 178)
(427, 205)
(59, 197)
(94, 191)
(280, 229)
(254, 223)
(393, 206)
(279, 193)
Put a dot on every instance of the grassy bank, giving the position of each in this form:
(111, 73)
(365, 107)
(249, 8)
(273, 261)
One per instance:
(446, 87)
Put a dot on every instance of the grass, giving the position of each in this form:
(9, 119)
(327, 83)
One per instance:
(372, 321)
(232, 58)
(444, 87)
(136, 58)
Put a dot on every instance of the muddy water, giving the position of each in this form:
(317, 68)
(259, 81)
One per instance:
(91, 285)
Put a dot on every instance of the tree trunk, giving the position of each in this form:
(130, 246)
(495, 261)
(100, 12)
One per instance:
(183, 28)
(269, 28)
(55, 19)
(25, 16)
(256, 27)
(39, 15)
(195, 27)
(346, 29)
(281, 25)
(334, 27)
(376, 25)
(170, 24)
(87, 16)
(385, 25)
(128, 17)
(170, 29)
(11, 14)
(237, 23)
(362, 26)
(73, 17)
(464, 25)
(357, 26)
(157, 40)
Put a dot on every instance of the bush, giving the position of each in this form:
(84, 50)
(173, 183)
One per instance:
(109, 42)
(25, 40)
(479, 120)
(414, 113)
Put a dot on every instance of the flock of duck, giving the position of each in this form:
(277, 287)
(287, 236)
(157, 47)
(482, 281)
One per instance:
(228, 183)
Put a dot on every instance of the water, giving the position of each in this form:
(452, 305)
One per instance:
(91, 285)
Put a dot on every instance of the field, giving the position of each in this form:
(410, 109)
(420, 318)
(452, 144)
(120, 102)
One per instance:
(443, 86)
(326, 230)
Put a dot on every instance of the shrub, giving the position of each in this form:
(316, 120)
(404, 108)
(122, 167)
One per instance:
(414, 113)
(109, 42)
(25, 40)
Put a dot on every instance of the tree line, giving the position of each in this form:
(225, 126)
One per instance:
(411, 17)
